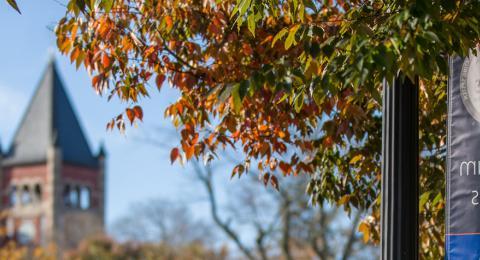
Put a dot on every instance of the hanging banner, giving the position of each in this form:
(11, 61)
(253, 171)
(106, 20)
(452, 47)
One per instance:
(463, 159)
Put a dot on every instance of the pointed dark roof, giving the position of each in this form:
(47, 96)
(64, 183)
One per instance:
(50, 120)
(101, 151)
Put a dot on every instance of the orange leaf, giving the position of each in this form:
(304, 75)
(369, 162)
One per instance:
(149, 51)
(189, 151)
(138, 112)
(96, 80)
(174, 155)
(74, 55)
(130, 115)
(169, 22)
(105, 61)
(247, 49)
(179, 108)
(263, 128)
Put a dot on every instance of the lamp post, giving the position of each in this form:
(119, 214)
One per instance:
(399, 224)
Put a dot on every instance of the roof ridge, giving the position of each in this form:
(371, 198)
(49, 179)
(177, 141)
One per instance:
(50, 119)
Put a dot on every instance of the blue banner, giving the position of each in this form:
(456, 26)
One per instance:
(463, 160)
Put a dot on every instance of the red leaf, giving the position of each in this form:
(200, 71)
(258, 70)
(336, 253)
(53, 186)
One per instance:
(266, 177)
(138, 112)
(274, 182)
(159, 80)
(328, 141)
(130, 115)
(247, 49)
(238, 169)
(174, 155)
(285, 167)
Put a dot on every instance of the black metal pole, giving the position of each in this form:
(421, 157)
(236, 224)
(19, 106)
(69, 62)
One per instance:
(399, 239)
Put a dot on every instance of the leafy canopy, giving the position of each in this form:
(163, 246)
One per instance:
(293, 84)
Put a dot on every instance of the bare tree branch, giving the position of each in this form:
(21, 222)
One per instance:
(286, 224)
(348, 249)
(206, 179)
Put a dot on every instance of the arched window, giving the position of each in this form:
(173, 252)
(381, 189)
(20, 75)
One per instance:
(26, 197)
(66, 195)
(84, 197)
(26, 232)
(13, 196)
(10, 226)
(74, 197)
(38, 192)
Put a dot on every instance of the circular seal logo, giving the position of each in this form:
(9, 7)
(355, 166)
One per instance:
(470, 84)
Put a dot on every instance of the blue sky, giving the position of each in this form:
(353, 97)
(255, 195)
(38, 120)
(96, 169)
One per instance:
(136, 170)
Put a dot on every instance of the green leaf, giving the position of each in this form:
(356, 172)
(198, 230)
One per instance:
(92, 4)
(234, 12)
(251, 23)
(437, 198)
(279, 35)
(423, 199)
(299, 99)
(318, 95)
(244, 5)
(107, 5)
(243, 88)
(295, 5)
(237, 100)
(311, 5)
(291, 36)
(225, 93)
(13, 4)
(431, 36)
(80, 4)
(364, 29)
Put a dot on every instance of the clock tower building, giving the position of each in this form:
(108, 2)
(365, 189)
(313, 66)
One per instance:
(51, 184)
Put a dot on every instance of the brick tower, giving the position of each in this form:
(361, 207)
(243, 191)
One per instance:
(52, 186)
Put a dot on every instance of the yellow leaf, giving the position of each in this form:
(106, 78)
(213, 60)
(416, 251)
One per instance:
(365, 229)
(356, 159)
(344, 199)
(279, 35)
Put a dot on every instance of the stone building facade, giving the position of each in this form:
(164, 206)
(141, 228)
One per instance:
(52, 185)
